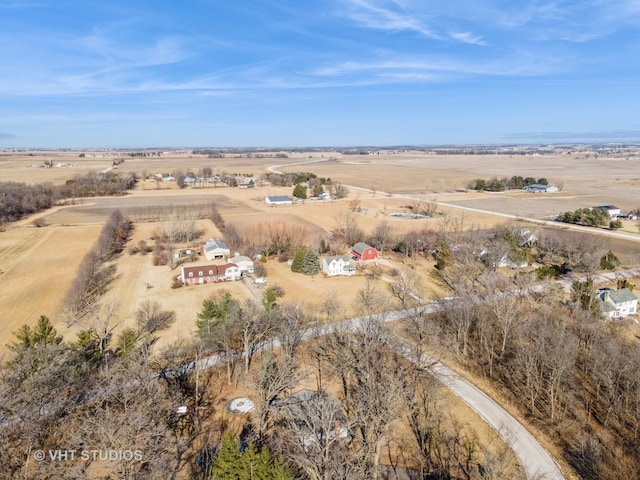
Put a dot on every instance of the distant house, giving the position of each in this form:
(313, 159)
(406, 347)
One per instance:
(337, 265)
(618, 303)
(209, 273)
(526, 238)
(278, 200)
(362, 251)
(540, 188)
(245, 264)
(216, 250)
(491, 259)
(612, 210)
(250, 184)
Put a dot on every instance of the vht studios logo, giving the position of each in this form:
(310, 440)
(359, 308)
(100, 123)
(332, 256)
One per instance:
(104, 455)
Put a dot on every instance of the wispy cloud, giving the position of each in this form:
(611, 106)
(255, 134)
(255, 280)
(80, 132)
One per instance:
(372, 15)
(4, 135)
(468, 37)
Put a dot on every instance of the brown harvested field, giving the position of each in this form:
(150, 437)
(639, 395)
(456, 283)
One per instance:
(37, 266)
(18, 167)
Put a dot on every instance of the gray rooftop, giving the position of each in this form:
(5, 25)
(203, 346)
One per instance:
(214, 244)
(622, 295)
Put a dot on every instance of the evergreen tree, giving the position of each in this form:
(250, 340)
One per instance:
(42, 334)
(298, 260)
(249, 464)
(228, 464)
(269, 299)
(300, 191)
(609, 261)
(127, 341)
(310, 263)
(211, 315)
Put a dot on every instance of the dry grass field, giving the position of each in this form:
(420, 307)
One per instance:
(37, 266)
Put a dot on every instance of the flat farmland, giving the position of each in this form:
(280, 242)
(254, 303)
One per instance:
(19, 167)
(37, 267)
(585, 181)
(31, 258)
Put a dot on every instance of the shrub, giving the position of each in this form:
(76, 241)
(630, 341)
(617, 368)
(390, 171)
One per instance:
(615, 224)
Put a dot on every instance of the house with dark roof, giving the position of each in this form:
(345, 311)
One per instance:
(278, 200)
(216, 250)
(618, 303)
(202, 274)
(362, 251)
(612, 210)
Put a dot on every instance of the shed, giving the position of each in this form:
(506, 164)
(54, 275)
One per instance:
(216, 250)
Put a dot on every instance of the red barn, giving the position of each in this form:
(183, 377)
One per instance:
(362, 251)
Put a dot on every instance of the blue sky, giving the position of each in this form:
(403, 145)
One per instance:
(145, 73)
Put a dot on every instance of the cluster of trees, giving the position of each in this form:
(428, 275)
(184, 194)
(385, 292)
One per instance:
(18, 200)
(85, 394)
(274, 237)
(294, 178)
(298, 180)
(593, 217)
(178, 225)
(97, 184)
(95, 273)
(348, 435)
(560, 364)
(500, 185)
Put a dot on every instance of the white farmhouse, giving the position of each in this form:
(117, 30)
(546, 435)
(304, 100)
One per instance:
(618, 303)
(337, 265)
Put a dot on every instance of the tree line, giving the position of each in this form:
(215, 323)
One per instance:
(95, 273)
(18, 200)
(500, 185)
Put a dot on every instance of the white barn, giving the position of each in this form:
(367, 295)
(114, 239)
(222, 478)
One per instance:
(278, 200)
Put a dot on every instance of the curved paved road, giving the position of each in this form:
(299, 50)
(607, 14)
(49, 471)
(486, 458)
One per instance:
(535, 461)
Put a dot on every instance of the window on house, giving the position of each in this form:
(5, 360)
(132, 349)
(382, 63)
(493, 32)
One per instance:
(210, 272)
(191, 274)
(200, 273)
